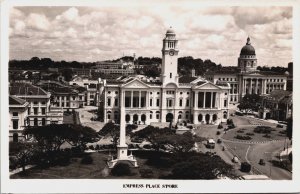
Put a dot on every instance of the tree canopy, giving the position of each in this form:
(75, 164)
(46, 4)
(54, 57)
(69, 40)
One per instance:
(249, 103)
(166, 139)
(51, 137)
(201, 166)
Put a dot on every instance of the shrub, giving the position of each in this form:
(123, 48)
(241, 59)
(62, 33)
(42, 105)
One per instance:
(121, 169)
(91, 147)
(245, 167)
(251, 134)
(239, 113)
(97, 147)
(231, 126)
(240, 131)
(218, 132)
(147, 146)
(229, 121)
(283, 132)
(263, 129)
(87, 160)
(242, 137)
(220, 126)
(146, 173)
(267, 136)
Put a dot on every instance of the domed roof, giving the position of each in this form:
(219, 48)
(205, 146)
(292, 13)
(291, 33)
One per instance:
(248, 49)
(170, 31)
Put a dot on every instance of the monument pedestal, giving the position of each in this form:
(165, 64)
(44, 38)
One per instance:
(122, 156)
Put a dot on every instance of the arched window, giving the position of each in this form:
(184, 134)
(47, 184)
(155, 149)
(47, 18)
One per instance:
(35, 122)
(200, 117)
(43, 121)
(127, 118)
(157, 114)
(225, 115)
(108, 114)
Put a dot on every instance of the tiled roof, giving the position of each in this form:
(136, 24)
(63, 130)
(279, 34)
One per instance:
(13, 100)
(63, 90)
(270, 73)
(278, 95)
(25, 89)
(224, 70)
(186, 79)
(200, 83)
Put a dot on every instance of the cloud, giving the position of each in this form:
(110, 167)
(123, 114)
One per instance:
(68, 15)
(38, 21)
(100, 33)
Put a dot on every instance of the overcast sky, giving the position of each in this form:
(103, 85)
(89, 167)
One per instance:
(99, 33)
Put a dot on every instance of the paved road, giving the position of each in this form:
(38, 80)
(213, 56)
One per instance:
(254, 152)
(85, 118)
(267, 152)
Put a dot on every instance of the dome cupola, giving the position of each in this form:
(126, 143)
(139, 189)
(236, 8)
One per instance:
(248, 49)
(247, 61)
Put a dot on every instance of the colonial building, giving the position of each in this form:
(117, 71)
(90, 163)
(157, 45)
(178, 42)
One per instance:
(39, 110)
(277, 105)
(91, 96)
(245, 79)
(18, 115)
(172, 98)
(64, 96)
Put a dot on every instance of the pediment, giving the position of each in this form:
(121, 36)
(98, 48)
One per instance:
(208, 86)
(135, 84)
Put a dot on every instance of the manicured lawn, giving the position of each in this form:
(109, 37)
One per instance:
(97, 170)
(256, 137)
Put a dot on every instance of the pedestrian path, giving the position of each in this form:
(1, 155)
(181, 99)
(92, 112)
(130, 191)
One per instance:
(252, 142)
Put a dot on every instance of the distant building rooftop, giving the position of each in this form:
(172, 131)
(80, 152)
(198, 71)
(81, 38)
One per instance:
(25, 89)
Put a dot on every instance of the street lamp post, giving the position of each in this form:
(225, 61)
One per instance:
(270, 174)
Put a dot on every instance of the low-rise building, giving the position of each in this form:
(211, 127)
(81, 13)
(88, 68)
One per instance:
(277, 105)
(18, 118)
(39, 107)
(91, 96)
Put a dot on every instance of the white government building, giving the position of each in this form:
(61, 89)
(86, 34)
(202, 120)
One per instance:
(246, 79)
(179, 99)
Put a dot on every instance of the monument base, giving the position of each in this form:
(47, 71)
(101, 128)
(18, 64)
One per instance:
(122, 156)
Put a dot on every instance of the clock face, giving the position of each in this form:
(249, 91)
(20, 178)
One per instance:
(171, 53)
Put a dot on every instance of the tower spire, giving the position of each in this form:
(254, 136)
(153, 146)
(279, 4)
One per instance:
(248, 40)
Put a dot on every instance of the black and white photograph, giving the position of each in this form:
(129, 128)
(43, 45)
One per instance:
(146, 91)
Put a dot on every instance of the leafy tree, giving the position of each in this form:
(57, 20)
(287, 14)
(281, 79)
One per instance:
(201, 166)
(112, 130)
(151, 71)
(68, 74)
(51, 137)
(249, 103)
(121, 169)
(23, 153)
(166, 139)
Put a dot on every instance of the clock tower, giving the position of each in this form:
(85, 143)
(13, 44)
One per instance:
(169, 58)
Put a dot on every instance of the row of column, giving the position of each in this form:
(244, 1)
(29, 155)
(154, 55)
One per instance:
(204, 100)
(256, 88)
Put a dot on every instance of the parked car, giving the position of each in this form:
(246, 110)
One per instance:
(262, 162)
(279, 126)
(219, 141)
(210, 144)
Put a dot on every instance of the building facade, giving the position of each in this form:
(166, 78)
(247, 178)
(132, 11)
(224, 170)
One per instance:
(173, 98)
(91, 95)
(18, 115)
(39, 111)
(245, 79)
(277, 105)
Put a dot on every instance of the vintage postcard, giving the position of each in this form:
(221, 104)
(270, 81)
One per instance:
(149, 97)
